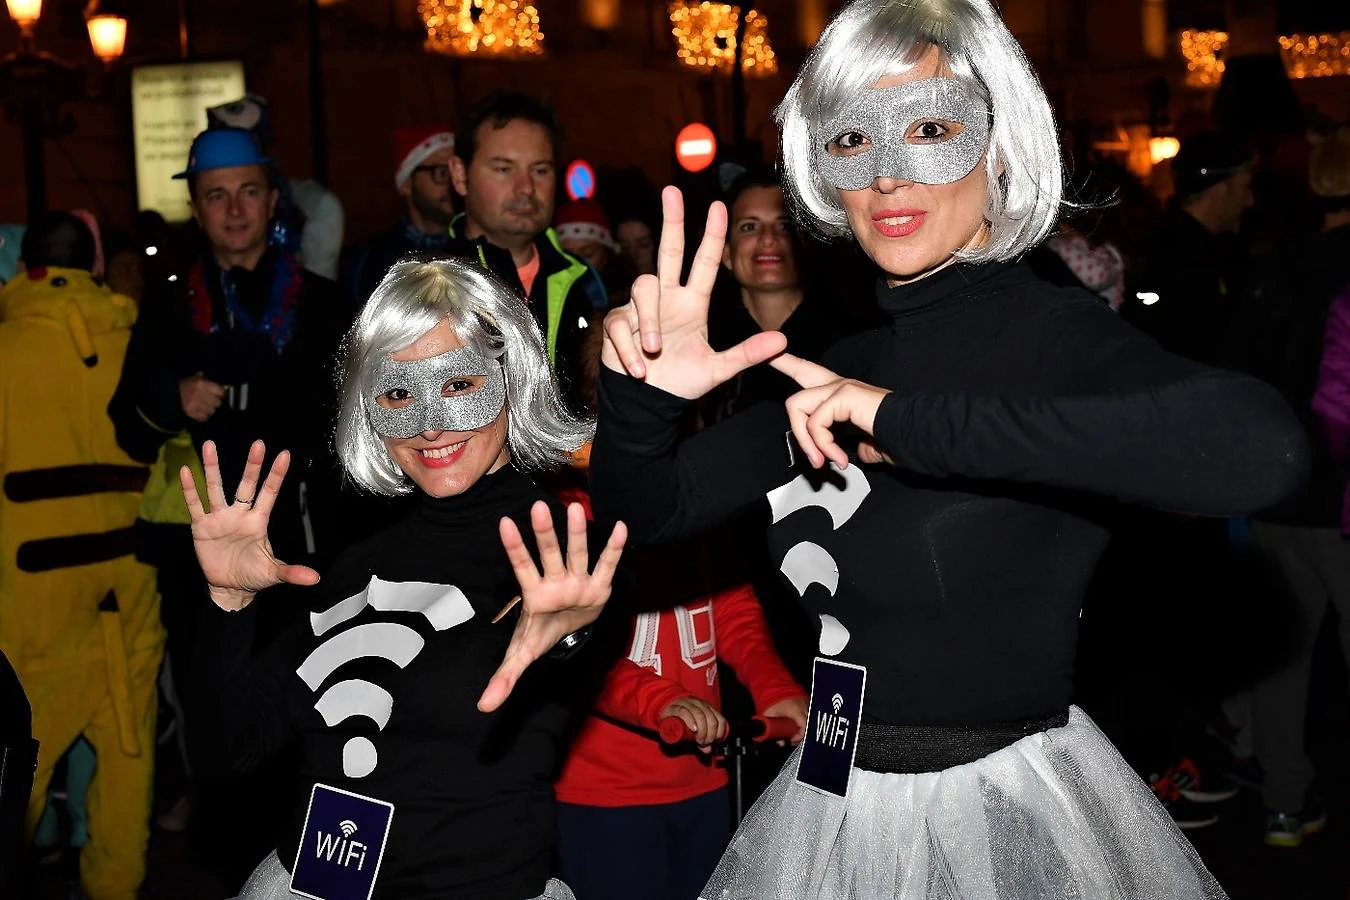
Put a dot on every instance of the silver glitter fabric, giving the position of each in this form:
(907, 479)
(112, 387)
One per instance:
(271, 881)
(424, 379)
(1055, 815)
(887, 116)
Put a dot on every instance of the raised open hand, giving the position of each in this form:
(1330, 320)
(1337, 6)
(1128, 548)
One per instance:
(661, 334)
(231, 540)
(566, 597)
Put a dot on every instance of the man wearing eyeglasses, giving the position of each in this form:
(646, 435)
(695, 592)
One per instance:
(422, 176)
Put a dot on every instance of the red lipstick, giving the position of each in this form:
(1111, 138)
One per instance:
(903, 229)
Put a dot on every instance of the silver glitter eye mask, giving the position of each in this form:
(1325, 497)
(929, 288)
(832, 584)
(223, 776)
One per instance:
(424, 379)
(886, 116)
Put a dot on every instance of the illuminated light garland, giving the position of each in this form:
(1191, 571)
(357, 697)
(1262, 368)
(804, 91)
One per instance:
(705, 37)
(481, 27)
(1316, 55)
(1203, 52)
(1304, 55)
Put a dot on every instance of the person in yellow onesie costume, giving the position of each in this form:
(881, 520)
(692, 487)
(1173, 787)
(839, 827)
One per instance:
(79, 617)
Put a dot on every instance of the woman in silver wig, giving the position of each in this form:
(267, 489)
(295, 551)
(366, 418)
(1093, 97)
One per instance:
(429, 730)
(485, 317)
(939, 501)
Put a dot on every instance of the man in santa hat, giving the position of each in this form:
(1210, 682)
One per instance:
(422, 177)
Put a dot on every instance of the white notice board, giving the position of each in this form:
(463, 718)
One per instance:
(168, 109)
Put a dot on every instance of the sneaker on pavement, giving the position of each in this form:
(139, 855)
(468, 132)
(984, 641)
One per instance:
(1187, 814)
(1289, 829)
(1186, 776)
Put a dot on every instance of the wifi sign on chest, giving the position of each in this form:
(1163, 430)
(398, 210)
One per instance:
(840, 492)
(443, 606)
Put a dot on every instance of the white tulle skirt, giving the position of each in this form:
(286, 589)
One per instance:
(1056, 815)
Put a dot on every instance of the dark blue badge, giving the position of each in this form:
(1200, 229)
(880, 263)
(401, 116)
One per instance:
(342, 845)
(832, 726)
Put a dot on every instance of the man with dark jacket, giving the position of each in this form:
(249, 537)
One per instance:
(241, 346)
(505, 168)
(238, 347)
(1288, 339)
(422, 177)
(1185, 289)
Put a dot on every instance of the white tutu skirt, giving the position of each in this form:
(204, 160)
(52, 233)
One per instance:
(1056, 815)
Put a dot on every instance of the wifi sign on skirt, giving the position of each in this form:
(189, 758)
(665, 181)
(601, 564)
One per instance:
(444, 606)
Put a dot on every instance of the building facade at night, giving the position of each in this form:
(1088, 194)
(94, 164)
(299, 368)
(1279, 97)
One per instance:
(626, 75)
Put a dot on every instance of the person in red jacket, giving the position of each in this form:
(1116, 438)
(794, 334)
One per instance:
(638, 818)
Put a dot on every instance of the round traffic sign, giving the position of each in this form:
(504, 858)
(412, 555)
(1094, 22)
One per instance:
(695, 147)
(580, 180)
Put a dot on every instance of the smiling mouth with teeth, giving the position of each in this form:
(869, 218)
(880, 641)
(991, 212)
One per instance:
(442, 452)
(897, 220)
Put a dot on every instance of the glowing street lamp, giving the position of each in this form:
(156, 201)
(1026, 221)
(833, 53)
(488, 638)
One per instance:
(108, 36)
(33, 85)
(25, 13)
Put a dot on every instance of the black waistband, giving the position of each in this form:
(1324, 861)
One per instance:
(912, 749)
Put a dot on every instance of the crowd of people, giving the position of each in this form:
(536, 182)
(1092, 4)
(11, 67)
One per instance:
(439, 565)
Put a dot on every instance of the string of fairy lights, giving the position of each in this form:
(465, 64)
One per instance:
(1304, 55)
(482, 27)
(705, 38)
(704, 32)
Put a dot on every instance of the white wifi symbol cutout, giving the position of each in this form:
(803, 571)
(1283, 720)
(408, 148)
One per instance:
(444, 606)
(840, 492)
(837, 702)
(348, 827)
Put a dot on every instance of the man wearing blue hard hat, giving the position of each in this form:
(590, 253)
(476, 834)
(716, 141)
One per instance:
(236, 347)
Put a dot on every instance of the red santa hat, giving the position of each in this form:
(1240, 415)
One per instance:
(584, 220)
(413, 145)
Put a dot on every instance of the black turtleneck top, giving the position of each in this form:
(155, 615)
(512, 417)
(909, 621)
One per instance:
(472, 793)
(1018, 411)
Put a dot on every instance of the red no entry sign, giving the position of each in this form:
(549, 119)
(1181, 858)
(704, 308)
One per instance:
(695, 147)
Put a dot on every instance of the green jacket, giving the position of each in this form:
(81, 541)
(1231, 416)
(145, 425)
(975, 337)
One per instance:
(566, 296)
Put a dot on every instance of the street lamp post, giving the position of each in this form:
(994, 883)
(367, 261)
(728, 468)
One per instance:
(34, 85)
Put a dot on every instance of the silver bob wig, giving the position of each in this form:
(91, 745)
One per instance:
(870, 39)
(413, 299)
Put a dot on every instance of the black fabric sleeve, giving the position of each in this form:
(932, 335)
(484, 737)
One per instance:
(245, 718)
(146, 409)
(663, 488)
(1126, 420)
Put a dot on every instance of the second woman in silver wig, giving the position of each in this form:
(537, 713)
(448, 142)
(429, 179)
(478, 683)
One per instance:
(947, 549)
(428, 723)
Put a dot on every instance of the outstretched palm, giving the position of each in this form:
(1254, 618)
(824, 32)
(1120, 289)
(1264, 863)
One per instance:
(565, 597)
(231, 540)
(661, 334)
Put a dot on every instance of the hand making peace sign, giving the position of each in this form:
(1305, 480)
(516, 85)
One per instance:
(661, 334)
